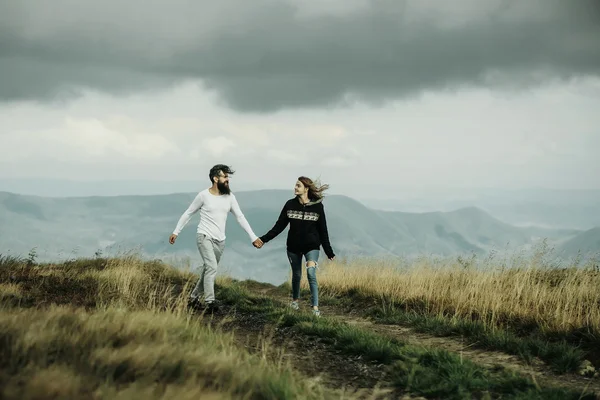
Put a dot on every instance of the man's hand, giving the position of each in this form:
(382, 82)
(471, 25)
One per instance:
(332, 258)
(172, 238)
(258, 243)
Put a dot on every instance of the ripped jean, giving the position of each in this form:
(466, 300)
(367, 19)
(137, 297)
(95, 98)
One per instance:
(311, 273)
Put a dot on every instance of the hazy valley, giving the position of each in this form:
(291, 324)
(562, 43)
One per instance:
(62, 228)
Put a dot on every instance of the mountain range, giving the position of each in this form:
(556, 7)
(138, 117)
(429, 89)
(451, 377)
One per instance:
(60, 228)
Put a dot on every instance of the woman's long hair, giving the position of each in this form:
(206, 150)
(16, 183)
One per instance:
(315, 190)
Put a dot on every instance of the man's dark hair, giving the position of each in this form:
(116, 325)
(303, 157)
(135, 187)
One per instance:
(217, 169)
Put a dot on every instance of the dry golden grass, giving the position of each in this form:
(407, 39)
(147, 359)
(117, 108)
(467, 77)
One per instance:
(558, 300)
(130, 282)
(137, 340)
(121, 328)
(71, 352)
(10, 290)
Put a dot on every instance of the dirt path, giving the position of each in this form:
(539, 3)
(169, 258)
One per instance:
(538, 371)
(351, 376)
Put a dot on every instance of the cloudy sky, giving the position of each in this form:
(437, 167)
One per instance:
(383, 95)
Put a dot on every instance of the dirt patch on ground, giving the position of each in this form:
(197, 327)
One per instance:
(308, 355)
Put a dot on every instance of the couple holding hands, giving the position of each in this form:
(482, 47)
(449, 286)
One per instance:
(308, 232)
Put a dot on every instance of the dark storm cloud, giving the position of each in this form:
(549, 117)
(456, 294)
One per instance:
(266, 56)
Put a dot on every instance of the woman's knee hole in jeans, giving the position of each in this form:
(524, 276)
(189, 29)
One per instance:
(311, 273)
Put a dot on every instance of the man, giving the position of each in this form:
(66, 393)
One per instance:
(214, 204)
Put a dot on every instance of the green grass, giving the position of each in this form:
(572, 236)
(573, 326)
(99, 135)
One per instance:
(562, 353)
(429, 373)
(561, 356)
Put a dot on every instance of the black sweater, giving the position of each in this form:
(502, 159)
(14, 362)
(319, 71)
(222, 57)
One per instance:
(308, 227)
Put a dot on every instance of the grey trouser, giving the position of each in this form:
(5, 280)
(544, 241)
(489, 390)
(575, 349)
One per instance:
(211, 251)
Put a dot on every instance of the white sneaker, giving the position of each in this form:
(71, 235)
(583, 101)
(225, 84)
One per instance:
(294, 305)
(316, 313)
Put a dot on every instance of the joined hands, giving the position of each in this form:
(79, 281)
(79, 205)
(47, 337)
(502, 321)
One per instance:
(258, 243)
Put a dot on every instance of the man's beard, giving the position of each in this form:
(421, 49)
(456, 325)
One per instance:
(223, 188)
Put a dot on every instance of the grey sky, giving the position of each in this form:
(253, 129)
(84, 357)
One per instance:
(267, 55)
(397, 93)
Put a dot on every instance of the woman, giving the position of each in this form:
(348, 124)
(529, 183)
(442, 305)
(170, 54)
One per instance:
(308, 231)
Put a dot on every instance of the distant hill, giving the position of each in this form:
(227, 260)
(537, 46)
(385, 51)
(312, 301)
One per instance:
(80, 226)
(586, 242)
(578, 209)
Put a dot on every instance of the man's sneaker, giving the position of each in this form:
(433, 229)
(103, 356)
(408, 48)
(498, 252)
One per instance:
(316, 313)
(194, 303)
(212, 306)
(294, 305)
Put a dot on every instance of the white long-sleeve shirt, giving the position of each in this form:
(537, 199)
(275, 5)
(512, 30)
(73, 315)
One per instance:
(213, 215)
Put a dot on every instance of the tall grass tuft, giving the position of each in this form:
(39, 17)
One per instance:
(553, 300)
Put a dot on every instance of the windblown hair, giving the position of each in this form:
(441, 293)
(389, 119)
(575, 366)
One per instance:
(214, 171)
(315, 190)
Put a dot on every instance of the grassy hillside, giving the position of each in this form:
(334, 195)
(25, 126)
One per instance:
(119, 328)
(503, 307)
